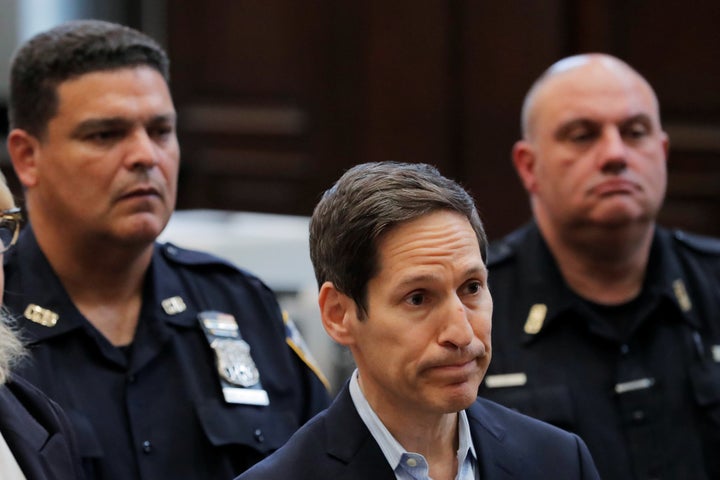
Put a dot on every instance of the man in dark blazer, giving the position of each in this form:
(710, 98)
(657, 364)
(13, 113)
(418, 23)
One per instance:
(399, 255)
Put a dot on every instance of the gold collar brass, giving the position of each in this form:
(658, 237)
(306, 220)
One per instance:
(535, 318)
(173, 305)
(40, 315)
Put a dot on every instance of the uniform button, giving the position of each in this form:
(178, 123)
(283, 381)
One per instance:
(638, 415)
(258, 434)
(624, 349)
(147, 446)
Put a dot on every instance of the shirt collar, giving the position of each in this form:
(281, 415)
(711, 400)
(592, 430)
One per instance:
(664, 277)
(390, 447)
(39, 285)
(35, 283)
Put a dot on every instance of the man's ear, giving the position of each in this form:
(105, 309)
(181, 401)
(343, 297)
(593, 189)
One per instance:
(24, 150)
(337, 311)
(665, 143)
(523, 156)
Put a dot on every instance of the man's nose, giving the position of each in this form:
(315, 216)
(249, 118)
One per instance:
(142, 150)
(457, 330)
(612, 154)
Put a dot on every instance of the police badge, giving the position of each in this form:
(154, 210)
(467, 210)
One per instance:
(239, 377)
(234, 362)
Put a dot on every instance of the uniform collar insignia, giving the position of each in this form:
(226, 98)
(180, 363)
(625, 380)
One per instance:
(40, 315)
(536, 318)
(173, 305)
(681, 295)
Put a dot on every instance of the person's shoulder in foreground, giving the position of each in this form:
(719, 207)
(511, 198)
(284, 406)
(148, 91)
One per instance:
(38, 433)
(36, 440)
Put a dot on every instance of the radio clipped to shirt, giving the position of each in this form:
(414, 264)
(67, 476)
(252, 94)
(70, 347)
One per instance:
(239, 376)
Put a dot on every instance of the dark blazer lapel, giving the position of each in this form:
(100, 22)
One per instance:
(488, 438)
(24, 435)
(349, 440)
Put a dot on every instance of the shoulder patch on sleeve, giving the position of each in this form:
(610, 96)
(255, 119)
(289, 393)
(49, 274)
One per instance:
(297, 343)
(699, 243)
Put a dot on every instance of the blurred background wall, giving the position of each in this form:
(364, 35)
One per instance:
(277, 97)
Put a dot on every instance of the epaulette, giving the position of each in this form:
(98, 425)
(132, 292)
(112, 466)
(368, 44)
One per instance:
(504, 249)
(499, 252)
(185, 256)
(699, 243)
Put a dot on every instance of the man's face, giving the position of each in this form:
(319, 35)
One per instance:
(424, 346)
(599, 154)
(107, 166)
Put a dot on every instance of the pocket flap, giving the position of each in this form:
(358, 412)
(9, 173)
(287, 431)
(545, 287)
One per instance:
(263, 428)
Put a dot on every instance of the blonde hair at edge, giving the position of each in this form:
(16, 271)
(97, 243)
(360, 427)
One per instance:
(11, 349)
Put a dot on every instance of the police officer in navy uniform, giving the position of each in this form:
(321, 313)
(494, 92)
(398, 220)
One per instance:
(170, 363)
(606, 324)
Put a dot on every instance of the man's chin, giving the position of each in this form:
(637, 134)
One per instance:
(621, 216)
(460, 397)
(141, 231)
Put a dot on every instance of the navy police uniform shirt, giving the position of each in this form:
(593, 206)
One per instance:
(639, 383)
(156, 409)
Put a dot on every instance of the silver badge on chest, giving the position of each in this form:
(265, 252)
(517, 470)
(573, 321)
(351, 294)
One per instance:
(234, 362)
(239, 376)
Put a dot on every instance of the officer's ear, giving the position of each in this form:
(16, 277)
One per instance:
(337, 311)
(24, 150)
(524, 159)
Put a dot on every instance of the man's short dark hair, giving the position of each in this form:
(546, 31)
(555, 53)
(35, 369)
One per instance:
(67, 51)
(363, 205)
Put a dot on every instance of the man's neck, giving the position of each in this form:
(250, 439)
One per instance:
(603, 265)
(103, 280)
(432, 435)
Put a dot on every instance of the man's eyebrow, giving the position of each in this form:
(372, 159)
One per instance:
(640, 117)
(93, 124)
(167, 118)
(475, 271)
(564, 129)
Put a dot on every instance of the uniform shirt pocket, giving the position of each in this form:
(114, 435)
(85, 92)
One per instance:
(264, 429)
(549, 403)
(705, 378)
